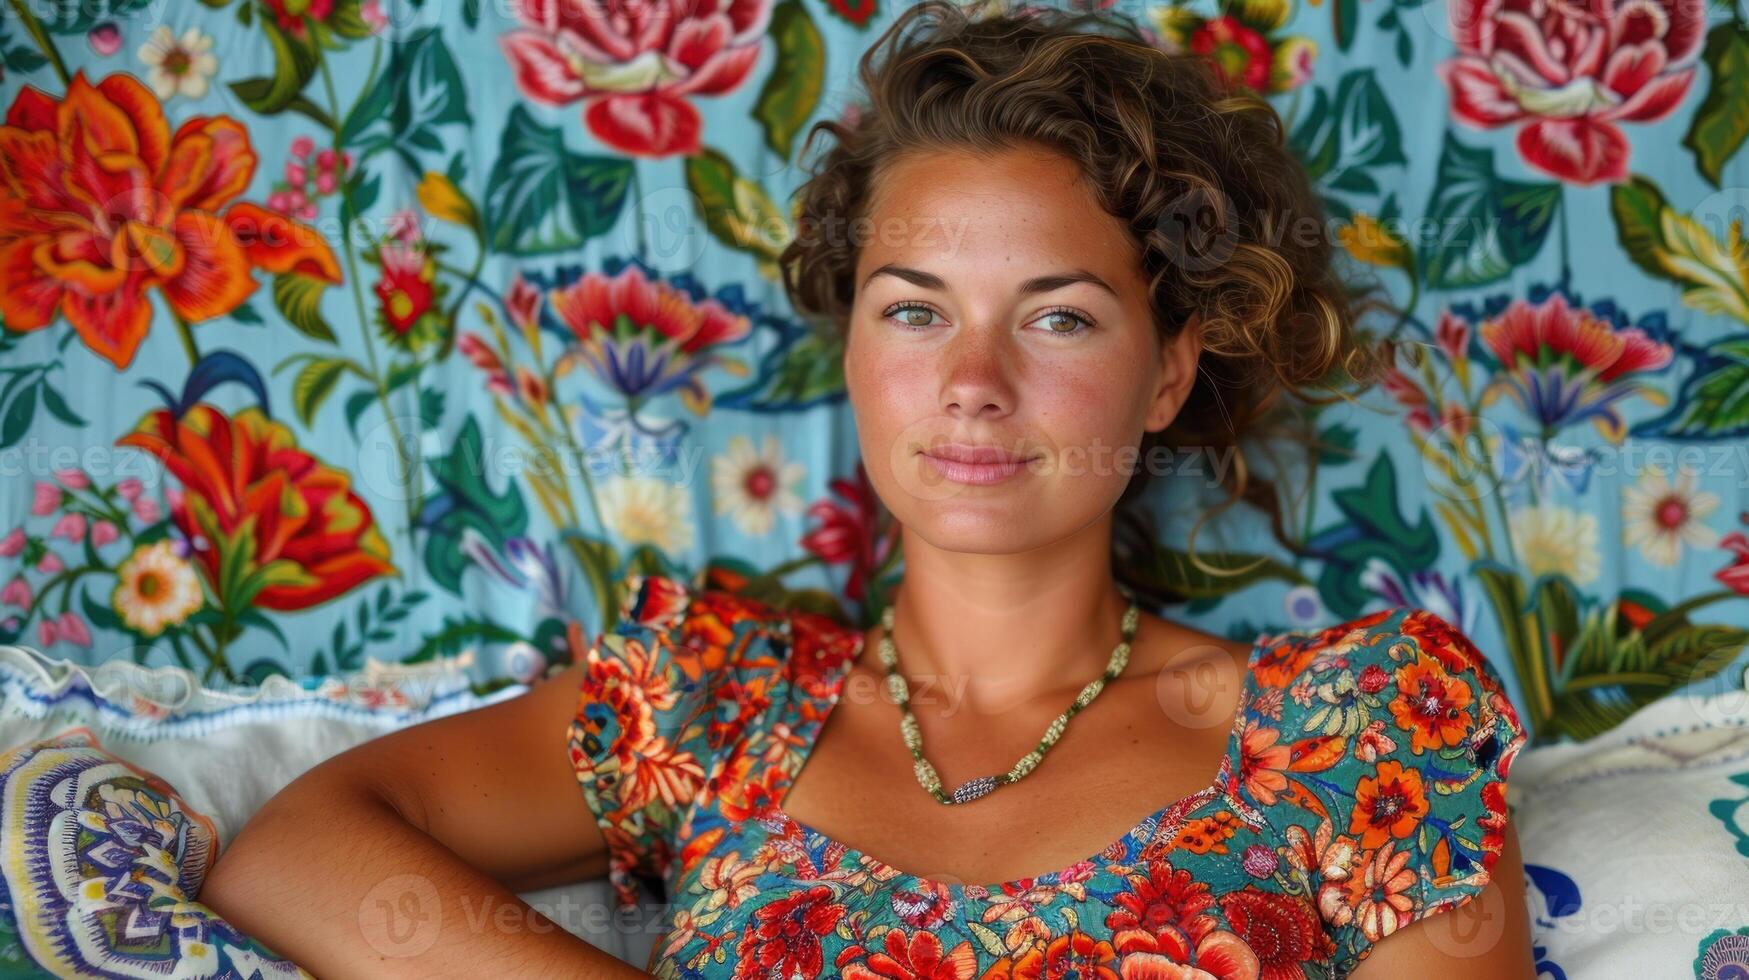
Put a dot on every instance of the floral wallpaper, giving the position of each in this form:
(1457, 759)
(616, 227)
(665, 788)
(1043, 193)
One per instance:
(352, 331)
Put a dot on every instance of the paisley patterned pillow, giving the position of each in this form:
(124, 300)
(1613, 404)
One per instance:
(100, 865)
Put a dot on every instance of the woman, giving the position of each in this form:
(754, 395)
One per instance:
(1009, 234)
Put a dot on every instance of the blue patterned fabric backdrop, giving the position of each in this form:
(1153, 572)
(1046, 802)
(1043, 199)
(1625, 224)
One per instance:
(341, 330)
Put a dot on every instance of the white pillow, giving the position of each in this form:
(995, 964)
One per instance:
(227, 753)
(1636, 843)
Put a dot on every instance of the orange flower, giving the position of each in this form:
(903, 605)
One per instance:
(1374, 895)
(1263, 762)
(253, 498)
(101, 203)
(1431, 704)
(1388, 805)
(1205, 834)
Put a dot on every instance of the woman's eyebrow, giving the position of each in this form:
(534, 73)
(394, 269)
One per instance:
(1038, 284)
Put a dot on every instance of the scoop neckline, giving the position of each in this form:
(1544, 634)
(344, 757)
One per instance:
(1143, 828)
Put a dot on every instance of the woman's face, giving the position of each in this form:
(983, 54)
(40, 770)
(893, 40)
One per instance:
(999, 308)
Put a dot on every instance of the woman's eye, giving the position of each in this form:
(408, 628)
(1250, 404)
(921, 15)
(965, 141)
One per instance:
(1062, 323)
(911, 317)
(1076, 323)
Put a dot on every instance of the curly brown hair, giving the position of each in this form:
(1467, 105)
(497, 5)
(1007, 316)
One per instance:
(1200, 172)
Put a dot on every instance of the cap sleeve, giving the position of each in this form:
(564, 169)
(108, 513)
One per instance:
(642, 740)
(1420, 796)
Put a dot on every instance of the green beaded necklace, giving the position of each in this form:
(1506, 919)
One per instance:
(972, 789)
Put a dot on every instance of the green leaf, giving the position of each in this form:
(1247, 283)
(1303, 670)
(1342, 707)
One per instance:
(736, 210)
(356, 404)
(792, 91)
(463, 498)
(418, 89)
(294, 63)
(313, 384)
(347, 20)
(795, 374)
(1486, 225)
(1714, 400)
(299, 299)
(457, 633)
(18, 416)
(1721, 124)
(542, 198)
(1372, 527)
(59, 408)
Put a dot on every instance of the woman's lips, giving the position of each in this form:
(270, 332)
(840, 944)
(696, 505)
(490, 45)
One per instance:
(978, 474)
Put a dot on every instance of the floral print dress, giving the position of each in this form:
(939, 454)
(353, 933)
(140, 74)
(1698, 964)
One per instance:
(1364, 788)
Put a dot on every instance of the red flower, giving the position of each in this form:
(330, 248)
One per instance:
(1372, 679)
(102, 203)
(784, 937)
(1436, 635)
(1283, 931)
(1240, 55)
(848, 533)
(1166, 910)
(919, 955)
(1571, 73)
(636, 64)
(306, 537)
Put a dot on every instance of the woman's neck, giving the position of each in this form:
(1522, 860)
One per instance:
(989, 632)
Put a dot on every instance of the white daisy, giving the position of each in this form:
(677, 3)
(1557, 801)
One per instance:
(1659, 517)
(752, 485)
(646, 510)
(1551, 538)
(155, 589)
(179, 66)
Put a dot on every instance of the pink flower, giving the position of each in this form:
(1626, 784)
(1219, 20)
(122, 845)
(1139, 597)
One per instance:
(295, 173)
(636, 70)
(372, 12)
(13, 544)
(68, 627)
(45, 499)
(102, 533)
(1570, 73)
(105, 38)
(1372, 743)
(73, 479)
(147, 510)
(50, 563)
(16, 593)
(404, 225)
(69, 526)
(130, 488)
(303, 146)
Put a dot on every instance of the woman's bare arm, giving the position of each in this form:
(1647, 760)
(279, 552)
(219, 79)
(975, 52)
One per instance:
(1488, 937)
(402, 856)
